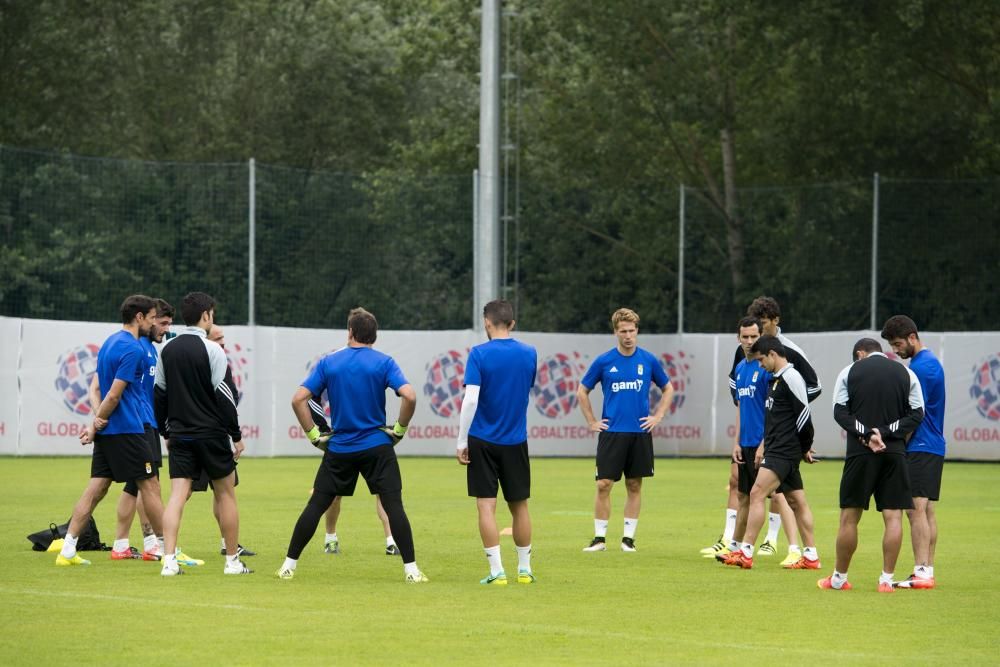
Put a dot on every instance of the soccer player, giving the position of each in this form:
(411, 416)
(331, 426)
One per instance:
(131, 500)
(751, 394)
(331, 544)
(878, 403)
(625, 440)
(788, 438)
(198, 409)
(355, 379)
(121, 446)
(925, 450)
(767, 310)
(493, 436)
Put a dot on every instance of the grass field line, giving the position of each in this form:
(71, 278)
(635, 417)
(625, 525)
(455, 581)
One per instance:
(30, 592)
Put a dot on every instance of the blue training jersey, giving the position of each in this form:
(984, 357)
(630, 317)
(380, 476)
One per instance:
(149, 358)
(625, 382)
(751, 393)
(121, 358)
(504, 371)
(929, 436)
(355, 380)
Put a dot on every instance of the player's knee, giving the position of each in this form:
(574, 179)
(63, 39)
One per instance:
(392, 503)
(633, 485)
(604, 486)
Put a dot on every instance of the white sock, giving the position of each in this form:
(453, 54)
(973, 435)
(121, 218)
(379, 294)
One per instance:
(930, 570)
(885, 577)
(150, 543)
(411, 568)
(389, 542)
(810, 553)
(290, 564)
(747, 549)
(630, 526)
(794, 548)
(600, 527)
(921, 572)
(232, 559)
(170, 561)
(493, 557)
(162, 544)
(69, 546)
(734, 544)
(331, 537)
(523, 557)
(120, 545)
(730, 525)
(838, 579)
(773, 526)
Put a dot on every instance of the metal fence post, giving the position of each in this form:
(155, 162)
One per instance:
(680, 267)
(874, 298)
(252, 259)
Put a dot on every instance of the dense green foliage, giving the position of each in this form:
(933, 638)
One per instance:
(371, 109)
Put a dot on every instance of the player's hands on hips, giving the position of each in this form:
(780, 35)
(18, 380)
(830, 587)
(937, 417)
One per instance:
(649, 422)
(737, 454)
(598, 425)
(238, 448)
(318, 438)
(462, 454)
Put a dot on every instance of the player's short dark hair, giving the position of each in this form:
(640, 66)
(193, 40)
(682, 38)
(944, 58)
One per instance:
(193, 305)
(749, 321)
(362, 325)
(764, 307)
(164, 309)
(866, 345)
(899, 326)
(135, 304)
(499, 312)
(767, 344)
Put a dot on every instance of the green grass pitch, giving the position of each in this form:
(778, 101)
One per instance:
(662, 605)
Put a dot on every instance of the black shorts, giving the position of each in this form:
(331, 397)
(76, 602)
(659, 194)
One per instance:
(338, 473)
(747, 470)
(925, 474)
(131, 487)
(504, 465)
(884, 475)
(122, 457)
(787, 471)
(190, 456)
(203, 483)
(628, 453)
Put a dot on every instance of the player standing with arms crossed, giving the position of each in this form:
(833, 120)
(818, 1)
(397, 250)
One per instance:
(493, 436)
(625, 440)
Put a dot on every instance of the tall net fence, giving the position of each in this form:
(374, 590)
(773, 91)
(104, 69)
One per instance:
(78, 234)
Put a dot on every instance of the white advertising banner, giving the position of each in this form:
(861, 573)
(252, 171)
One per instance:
(46, 367)
(10, 334)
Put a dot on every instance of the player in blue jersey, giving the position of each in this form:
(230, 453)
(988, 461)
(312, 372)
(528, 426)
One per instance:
(751, 382)
(493, 436)
(131, 500)
(121, 448)
(626, 374)
(355, 379)
(925, 450)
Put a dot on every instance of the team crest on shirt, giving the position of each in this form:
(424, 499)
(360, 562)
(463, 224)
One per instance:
(640, 369)
(754, 378)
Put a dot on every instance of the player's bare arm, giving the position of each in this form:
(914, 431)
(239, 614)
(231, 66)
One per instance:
(583, 398)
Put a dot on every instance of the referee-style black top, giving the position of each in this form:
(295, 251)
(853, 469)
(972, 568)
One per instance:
(877, 392)
(795, 356)
(192, 397)
(788, 428)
